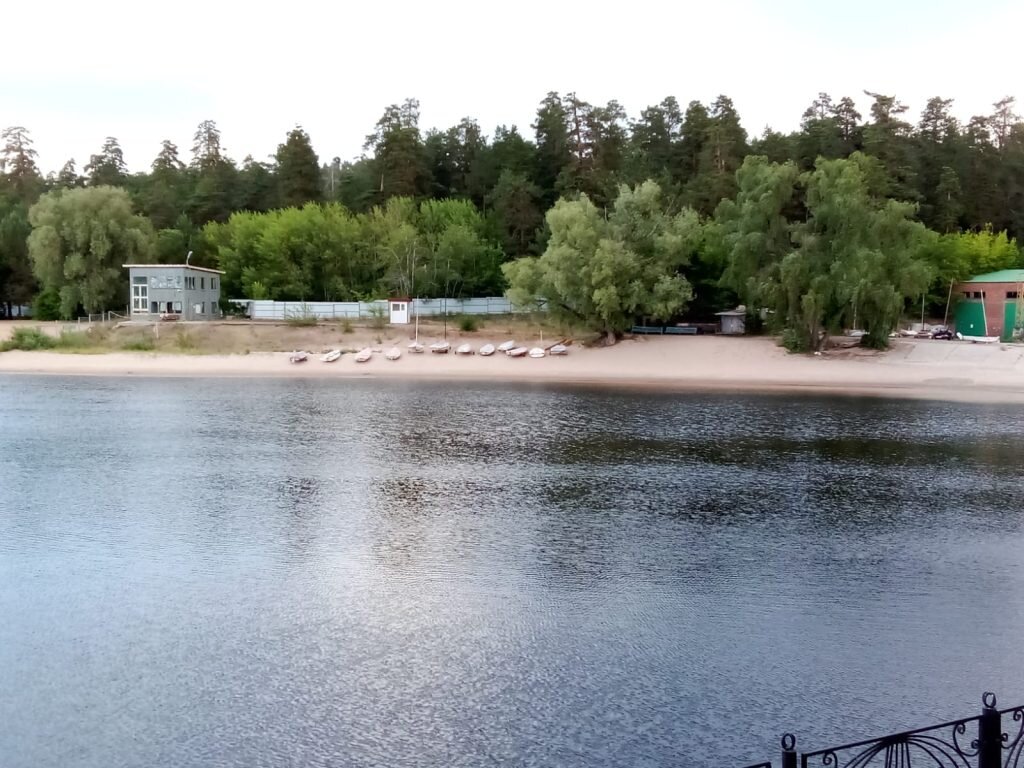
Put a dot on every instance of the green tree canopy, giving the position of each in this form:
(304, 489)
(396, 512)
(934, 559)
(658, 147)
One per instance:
(852, 258)
(17, 283)
(608, 272)
(80, 239)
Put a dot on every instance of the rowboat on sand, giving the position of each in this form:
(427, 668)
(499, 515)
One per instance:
(517, 352)
(393, 354)
(537, 352)
(506, 346)
(440, 347)
(559, 349)
(487, 350)
(416, 347)
(331, 356)
(464, 349)
(298, 357)
(363, 355)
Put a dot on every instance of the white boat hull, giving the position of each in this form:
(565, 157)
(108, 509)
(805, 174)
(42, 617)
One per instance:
(487, 350)
(393, 354)
(559, 349)
(331, 356)
(506, 346)
(517, 352)
(364, 355)
(537, 352)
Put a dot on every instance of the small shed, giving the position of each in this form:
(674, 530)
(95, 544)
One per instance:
(398, 311)
(178, 291)
(990, 304)
(733, 321)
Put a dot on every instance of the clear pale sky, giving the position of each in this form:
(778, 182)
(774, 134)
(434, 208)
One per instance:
(75, 72)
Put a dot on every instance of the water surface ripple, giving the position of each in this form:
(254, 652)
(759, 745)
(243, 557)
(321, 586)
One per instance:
(362, 573)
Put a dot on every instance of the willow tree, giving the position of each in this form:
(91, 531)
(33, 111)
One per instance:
(80, 239)
(849, 256)
(607, 272)
(864, 252)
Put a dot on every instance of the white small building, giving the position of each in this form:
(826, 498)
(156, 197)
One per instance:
(398, 311)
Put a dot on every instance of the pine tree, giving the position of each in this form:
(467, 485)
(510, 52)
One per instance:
(108, 167)
(18, 164)
(298, 170)
(399, 161)
(551, 131)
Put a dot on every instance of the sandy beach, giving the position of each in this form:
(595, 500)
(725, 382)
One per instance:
(916, 369)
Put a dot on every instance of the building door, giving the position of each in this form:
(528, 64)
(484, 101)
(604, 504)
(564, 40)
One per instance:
(140, 294)
(1009, 320)
(970, 318)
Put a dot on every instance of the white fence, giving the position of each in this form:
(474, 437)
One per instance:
(282, 310)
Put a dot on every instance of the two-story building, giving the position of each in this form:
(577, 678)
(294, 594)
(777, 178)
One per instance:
(174, 290)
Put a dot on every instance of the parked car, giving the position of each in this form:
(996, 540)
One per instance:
(942, 332)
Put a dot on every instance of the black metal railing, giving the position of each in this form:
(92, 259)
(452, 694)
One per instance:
(972, 742)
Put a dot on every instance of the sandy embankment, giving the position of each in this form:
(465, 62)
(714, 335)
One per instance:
(921, 369)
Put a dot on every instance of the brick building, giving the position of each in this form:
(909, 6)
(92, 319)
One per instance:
(991, 305)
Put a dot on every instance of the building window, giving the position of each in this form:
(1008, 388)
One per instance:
(177, 307)
(213, 283)
(1012, 295)
(140, 294)
(202, 283)
(977, 295)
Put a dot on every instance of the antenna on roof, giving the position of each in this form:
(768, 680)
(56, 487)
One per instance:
(188, 257)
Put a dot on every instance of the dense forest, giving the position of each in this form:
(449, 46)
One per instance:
(678, 212)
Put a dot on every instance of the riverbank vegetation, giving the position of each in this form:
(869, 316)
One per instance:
(674, 214)
(243, 337)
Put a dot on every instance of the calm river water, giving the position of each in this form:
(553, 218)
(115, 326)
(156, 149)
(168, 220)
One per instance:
(326, 573)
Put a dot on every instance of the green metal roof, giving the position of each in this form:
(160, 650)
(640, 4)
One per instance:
(1002, 276)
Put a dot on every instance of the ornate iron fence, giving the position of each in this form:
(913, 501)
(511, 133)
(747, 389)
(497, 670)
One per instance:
(972, 742)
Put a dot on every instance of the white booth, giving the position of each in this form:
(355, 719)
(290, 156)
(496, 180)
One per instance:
(398, 311)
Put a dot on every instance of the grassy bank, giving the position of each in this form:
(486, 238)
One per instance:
(237, 337)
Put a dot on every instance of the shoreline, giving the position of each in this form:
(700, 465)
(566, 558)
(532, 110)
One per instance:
(932, 370)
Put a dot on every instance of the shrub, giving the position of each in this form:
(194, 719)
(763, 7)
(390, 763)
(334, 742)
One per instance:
(302, 319)
(46, 305)
(793, 341)
(378, 318)
(468, 323)
(74, 340)
(184, 340)
(140, 344)
(29, 340)
(346, 325)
